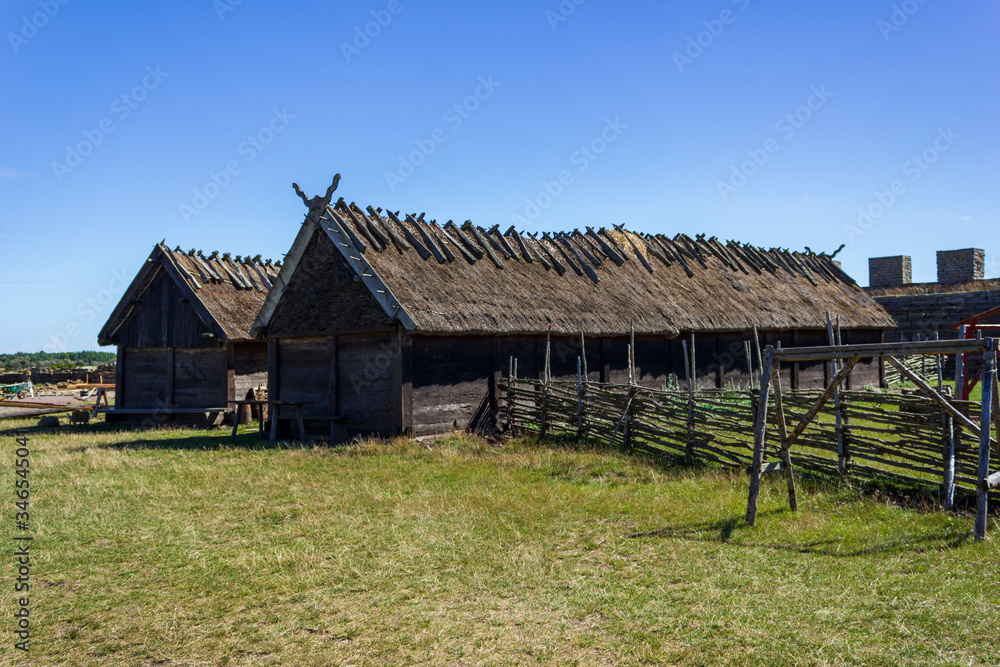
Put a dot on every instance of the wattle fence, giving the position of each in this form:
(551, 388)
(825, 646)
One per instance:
(895, 435)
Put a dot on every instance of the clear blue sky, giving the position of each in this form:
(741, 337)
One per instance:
(296, 92)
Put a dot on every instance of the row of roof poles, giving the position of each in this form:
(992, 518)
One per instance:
(246, 274)
(575, 251)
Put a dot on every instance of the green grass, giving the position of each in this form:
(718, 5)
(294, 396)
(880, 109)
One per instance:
(171, 548)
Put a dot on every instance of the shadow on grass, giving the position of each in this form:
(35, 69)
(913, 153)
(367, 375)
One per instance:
(179, 441)
(722, 530)
(160, 437)
(705, 531)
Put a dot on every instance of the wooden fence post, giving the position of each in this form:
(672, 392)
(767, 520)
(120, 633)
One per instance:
(627, 435)
(838, 411)
(583, 386)
(759, 436)
(689, 374)
(545, 384)
(949, 457)
(756, 342)
(510, 394)
(985, 427)
(940, 366)
(579, 397)
(960, 369)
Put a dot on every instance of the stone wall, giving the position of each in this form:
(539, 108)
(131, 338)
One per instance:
(921, 315)
(960, 266)
(886, 272)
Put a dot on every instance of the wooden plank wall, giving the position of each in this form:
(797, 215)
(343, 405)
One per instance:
(384, 383)
(144, 375)
(304, 375)
(199, 378)
(451, 380)
(346, 376)
(164, 319)
(366, 397)
(158, 378)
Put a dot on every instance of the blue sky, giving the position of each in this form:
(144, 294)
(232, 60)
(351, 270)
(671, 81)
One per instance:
(777, 123)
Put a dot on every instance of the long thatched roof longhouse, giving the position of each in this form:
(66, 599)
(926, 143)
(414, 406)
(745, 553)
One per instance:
(463, 278)
(225, 292)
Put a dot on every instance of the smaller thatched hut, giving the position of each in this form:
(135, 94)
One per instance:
(183, 334)
(388, 324)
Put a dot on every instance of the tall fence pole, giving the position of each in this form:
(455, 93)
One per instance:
(510, 394)
(756, 342)
(948, 428)
(985, 427)
(545, 384)
(949, 457)
(579, 397)
(627, 435)
(845, 419)
(689, 374)
(838, 411)
(759, 436)
(960, 369)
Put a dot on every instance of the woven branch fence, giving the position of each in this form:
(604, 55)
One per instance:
(900, 436)
(924, 365)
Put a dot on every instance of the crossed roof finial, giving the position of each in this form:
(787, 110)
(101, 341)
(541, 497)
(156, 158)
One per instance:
(318, 203)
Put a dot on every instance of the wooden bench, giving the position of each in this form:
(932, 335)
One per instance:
(160, 411)
(274, 418)
(337, 431)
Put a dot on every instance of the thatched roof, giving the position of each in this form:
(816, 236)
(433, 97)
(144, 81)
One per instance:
(914, 289)
(468, 279)
(225, 292)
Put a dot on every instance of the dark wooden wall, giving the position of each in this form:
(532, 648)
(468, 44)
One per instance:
(145, 378)
(166, 377)
(454, 376)
(451, 381)
(354, 377)
(199, 378)
(390, 383)
(164, 318)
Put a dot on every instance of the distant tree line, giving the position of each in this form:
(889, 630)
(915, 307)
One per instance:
(57, 360)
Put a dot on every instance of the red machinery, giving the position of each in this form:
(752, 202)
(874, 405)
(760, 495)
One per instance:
(972, 327)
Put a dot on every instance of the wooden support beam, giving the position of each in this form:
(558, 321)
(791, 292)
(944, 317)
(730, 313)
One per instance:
(525, 252)
(391, 228)
(902, 349)
(786, 455)
(360, 224)
(689, 376)
(822, 400)
(938, 398)
(606, 248)
(508, 248)
(410, 236)
(469, 257)
(759, 437)
(470, 245)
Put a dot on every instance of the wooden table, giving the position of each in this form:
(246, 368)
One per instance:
(236, 418)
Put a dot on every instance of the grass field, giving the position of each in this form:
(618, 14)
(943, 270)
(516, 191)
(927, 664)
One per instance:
(172, 548)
